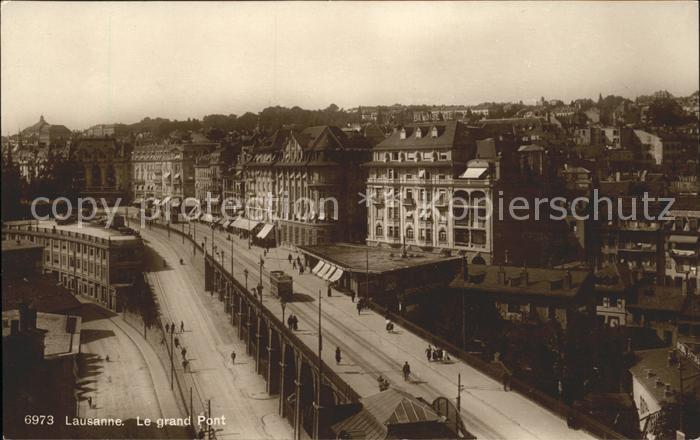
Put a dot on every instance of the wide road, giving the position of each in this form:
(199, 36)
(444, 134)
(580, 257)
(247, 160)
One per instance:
(235, 390)
(369, 351)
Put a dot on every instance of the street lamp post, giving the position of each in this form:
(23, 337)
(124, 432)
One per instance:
(260, 283)
(205, 245)
(283, 303)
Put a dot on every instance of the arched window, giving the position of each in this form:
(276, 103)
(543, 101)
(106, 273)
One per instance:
(409, 232)
(442, 235)
(379, 231)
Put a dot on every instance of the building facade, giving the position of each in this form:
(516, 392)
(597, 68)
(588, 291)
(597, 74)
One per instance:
(95, 262)
(102, 168)
(306, 184)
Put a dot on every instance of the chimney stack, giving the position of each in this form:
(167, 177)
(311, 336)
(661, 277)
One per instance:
(567, 280)
(501, 275)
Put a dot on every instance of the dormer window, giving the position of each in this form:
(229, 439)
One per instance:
(402, 133)
(419, 133)
(434, 132)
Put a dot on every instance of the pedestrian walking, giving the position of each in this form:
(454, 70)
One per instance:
(337, 355)
(359, 306)
(294, 265)
(406, 371)
(233, 357)
(90, 401)
(182, 326)
(329, 292)
(506, 381)
(429, 353)
(352, 296)
(289, 258)
(177, 342)
(167, 328)
(290, 318)
(107, 358)
(184, 352)
(296, 323)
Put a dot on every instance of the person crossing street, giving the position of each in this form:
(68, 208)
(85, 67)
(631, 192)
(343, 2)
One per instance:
(406, 371)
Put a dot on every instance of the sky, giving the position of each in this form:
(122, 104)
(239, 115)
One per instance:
(81, 64)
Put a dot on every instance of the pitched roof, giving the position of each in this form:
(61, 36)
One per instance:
(450, 134)
(390, 407)
(540, 281)
(659, 298)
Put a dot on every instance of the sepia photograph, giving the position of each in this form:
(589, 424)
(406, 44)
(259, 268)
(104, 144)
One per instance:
(350, 220)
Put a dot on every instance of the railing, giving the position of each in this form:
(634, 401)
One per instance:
(495, 372)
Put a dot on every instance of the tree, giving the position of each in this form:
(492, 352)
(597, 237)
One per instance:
(11, 188)
(141, 300)
(666, 111)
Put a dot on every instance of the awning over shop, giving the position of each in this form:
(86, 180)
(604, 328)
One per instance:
(473, 173)
(166, 175)
(320, 265)
(207, 218)
(215, 200)
(175, 203)
(176, 176)
(217, 220)
(336, 276)
(137, 201)
(156, 202)
(165, 200)
(191, 202)
(324, 273)
(683, 239)
(265, 231)
(226, 223)
(245, 224)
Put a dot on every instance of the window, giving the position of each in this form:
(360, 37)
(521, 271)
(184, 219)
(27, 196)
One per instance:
(442, 235)
(606, 301)
(409, 193)
(409, 232)
(379, 232)
(444, 156)
(513, 308)
(395, 155)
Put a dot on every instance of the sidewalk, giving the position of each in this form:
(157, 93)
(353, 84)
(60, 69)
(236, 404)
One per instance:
(132, 383)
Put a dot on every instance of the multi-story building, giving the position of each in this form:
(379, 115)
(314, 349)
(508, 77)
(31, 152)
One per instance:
(683, 243)
(632, 240)
(102, 168)
(93, 261)
(306, 183)
(411, 171)
(530, 295)
(431, 186)
(166, 171)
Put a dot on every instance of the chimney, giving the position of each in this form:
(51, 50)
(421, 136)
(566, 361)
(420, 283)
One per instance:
(14, 327)
(567, 282)
(671, 359)
(525, 276)
(668, 392)
(27, 317)
(501, 275)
